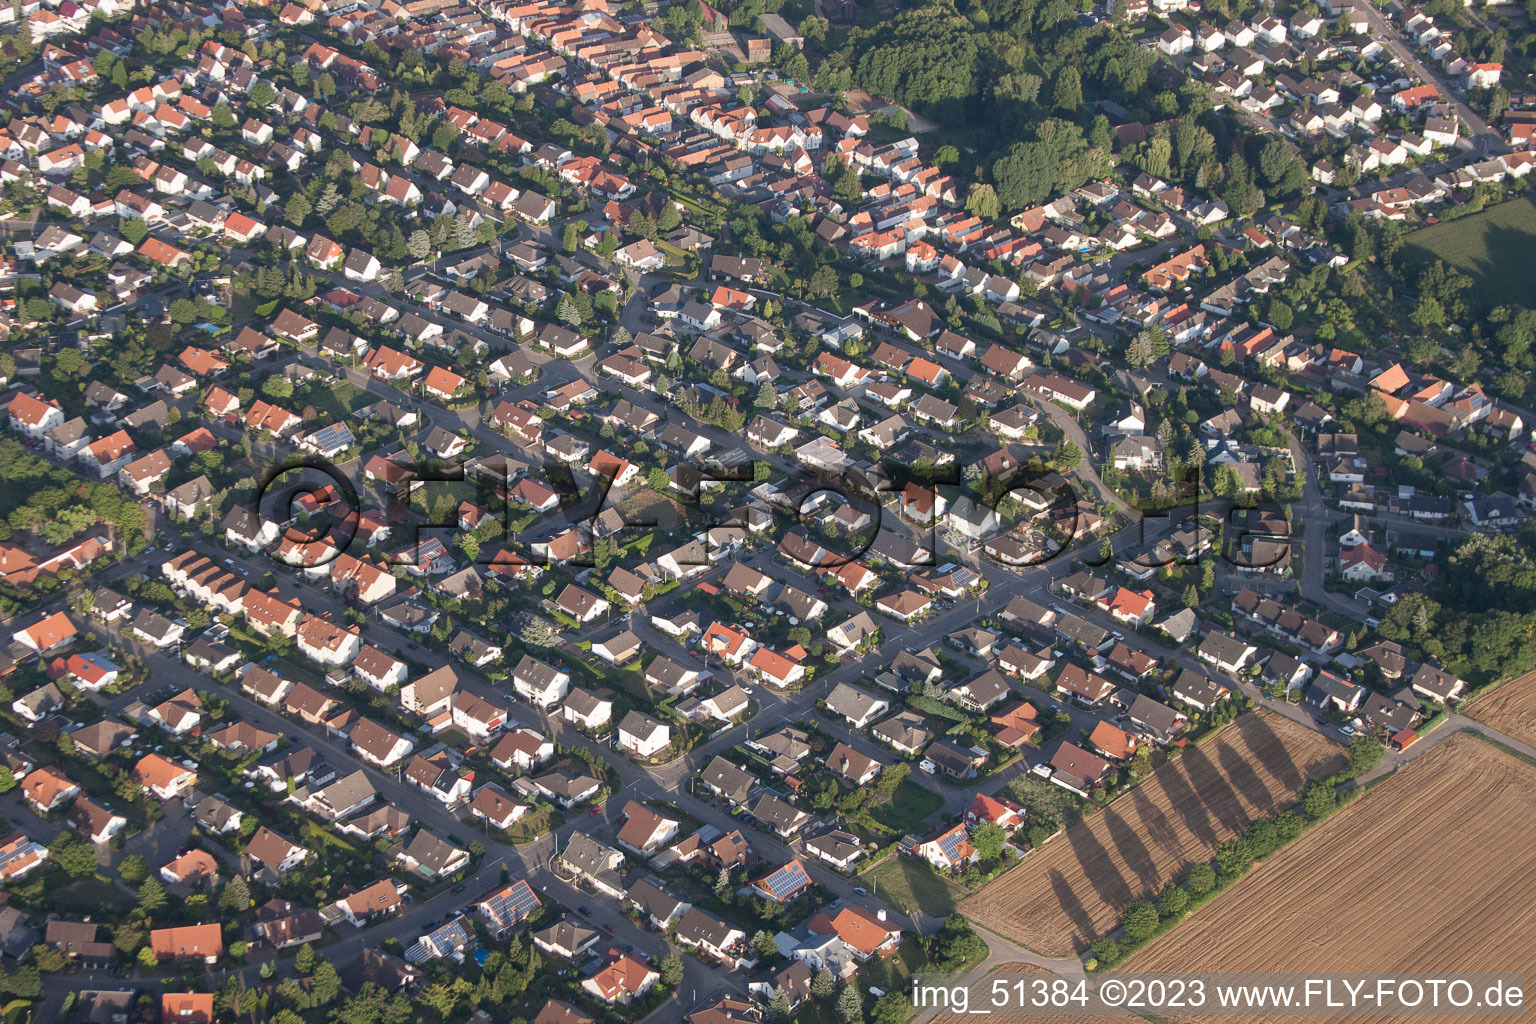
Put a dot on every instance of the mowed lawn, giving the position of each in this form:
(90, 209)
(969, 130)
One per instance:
(910, 884)
(908, 808)
(1496, 248)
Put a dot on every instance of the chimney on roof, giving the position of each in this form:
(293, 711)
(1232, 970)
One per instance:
(880, 914)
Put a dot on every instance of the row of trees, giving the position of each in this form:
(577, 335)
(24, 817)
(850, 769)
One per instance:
(1144, 919)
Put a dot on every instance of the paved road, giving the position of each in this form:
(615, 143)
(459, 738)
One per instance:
(1388, 35)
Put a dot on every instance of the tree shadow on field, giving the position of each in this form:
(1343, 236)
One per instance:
(1182, 798)
(1156, 829)
(1247, 783)
(1133, 852)
(1211, 792)
(1093, 858)
(1270, 751)
(1072, 907)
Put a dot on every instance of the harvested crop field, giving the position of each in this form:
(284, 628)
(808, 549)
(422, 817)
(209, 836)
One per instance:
(1073, 891)
(1430, 873)
(1510, 708)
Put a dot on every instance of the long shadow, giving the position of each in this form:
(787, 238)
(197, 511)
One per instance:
(1109, 886)
(1212, 792)
(1245, 780)
(1133, 853)
(1271, 752)
(1158, 830)
(1183, 799)
(1073, 907)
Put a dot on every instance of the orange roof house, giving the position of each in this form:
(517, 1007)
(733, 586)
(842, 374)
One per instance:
(1017, 724)
(54, 631)
(1391, 380)
(47, 788)
(162, 776)
(164, 254)
(623, 979)
(187, 1007)
(192, 868)
(726, 641)
(1112, 741)
(442, 383)
(273, 419)
(220, 402)
(197, 940)
(862, 930)
(1131, 606)
(775, 667)
(200, 362)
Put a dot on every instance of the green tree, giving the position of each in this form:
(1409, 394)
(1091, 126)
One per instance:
(7, 779)
(263, 94)
(1139, 920)
(1364, 753)
(1173, 901)
(891, 1008)
(1142, 350)
(277, 387)
(982, 201)
(304, 960)
(848, 187)
(850, 1005)
(296, 209)
(569, 311)
(1201, 879)
(74, 855)
(1318, 799)
(989, 840)
(147, 959)
(133, 869)
(419, 245)
(656, 478)
(223, 116)
(236, 895)
(671, 971)
(763, 943)
(151, 896)
(327, 985)
(1067, 91)
(824, 984)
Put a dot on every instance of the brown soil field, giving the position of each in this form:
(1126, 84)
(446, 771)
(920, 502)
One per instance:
(1430, 873)
(1074, 890)
(1511, 708)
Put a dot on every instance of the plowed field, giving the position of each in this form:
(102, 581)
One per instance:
(1074, 890)
(1431, 873)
